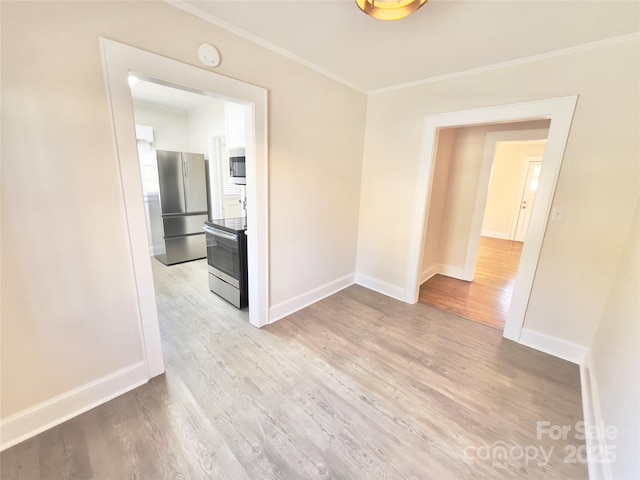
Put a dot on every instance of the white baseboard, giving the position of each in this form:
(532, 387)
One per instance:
(380, 286)
(492, 234)
(593, 419)
(28, 423)
(451, 271)
(299, 302)
(428, 273)
(572, 352)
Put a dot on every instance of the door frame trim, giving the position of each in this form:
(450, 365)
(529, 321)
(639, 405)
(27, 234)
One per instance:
(119, 60)
(213, 145)
(560, 111)
(491, 139)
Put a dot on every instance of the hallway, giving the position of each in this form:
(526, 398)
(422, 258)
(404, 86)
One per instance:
(486, 300)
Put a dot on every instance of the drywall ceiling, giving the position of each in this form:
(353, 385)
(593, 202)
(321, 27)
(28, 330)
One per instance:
(444, 37)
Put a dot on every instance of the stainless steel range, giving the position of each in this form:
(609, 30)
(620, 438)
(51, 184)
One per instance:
(227, 259)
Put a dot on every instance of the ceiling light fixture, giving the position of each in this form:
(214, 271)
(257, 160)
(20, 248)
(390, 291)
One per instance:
(389, 9)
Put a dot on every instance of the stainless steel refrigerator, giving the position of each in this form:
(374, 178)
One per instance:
(177, 214)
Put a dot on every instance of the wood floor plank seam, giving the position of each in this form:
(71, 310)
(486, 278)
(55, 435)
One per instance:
(357, 386)
(485, 299)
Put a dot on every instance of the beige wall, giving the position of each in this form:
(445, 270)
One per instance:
(615, 352)
(434, 215)
(68, 297)
(597, 187)
(508, 172)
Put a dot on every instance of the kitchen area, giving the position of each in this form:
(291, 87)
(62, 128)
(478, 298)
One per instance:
(192, 164)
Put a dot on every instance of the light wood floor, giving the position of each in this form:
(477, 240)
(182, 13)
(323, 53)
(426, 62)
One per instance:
(357, 386)
(487, 298)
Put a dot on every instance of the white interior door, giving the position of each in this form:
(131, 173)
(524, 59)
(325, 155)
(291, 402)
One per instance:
(527, 198)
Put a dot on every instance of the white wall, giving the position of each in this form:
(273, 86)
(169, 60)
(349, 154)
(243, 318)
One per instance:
(509, 170)
(615, 353)
(69, 313)
(180, 131)
(203, 122)
(597, 186)
(170, 127)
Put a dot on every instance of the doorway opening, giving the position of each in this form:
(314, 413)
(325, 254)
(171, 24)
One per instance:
(187, 187)
(426, 221)
(484, 293)
(120, 61)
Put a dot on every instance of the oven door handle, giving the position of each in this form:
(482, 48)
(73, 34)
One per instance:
(220, 233)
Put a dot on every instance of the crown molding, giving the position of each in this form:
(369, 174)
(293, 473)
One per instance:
(193, 10)
(511, 63)
(208, 17)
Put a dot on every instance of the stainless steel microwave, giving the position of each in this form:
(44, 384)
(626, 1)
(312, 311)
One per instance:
(237, 166)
